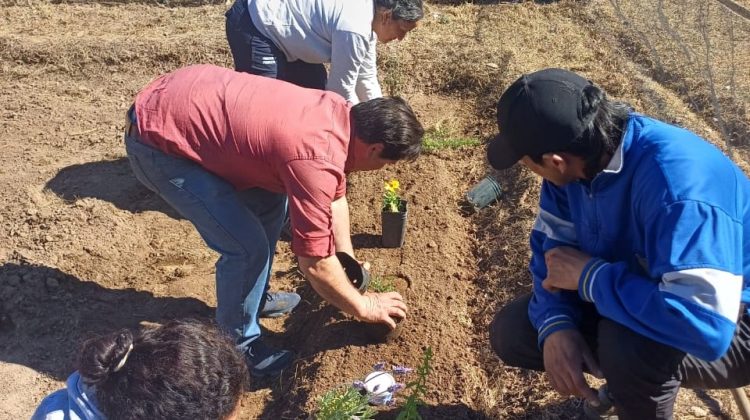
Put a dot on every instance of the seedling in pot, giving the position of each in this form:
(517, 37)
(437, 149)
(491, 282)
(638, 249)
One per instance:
(392, 202)
(393, 216)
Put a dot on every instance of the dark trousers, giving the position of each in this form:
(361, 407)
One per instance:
(642, 375)
(256, 54)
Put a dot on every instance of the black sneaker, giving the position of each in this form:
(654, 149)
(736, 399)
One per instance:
(279, 304)
(266, 361)
(606, 408)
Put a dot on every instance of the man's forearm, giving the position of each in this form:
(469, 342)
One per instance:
(341, 231)
(328, 279)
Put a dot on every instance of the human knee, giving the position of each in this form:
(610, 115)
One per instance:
(502, 338)
(247, 248)
(626, 356)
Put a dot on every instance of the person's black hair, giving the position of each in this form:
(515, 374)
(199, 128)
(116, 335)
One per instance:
(390, 121)
(603, 132)
(408, 10)
(183, 369)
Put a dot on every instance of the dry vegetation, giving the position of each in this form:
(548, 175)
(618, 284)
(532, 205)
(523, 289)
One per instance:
(68, 69)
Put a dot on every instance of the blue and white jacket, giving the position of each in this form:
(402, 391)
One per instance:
(76, 402)
(667, 223)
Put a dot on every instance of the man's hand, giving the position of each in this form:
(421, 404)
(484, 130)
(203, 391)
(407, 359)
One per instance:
(564, 267)
(565, 354)
(382, 308)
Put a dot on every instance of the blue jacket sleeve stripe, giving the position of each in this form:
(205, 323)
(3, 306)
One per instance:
(555, 228)
(638, 303)
(550, 328)
(715, 290)
(551, 312)
(587, 278)
(555, 319)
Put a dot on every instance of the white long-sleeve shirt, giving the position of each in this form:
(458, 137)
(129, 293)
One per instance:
(326, 31)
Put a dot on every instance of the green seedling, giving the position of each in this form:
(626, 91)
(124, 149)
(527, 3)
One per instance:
(439, 139)
(382, 284)
(418, 388)
(344, 403)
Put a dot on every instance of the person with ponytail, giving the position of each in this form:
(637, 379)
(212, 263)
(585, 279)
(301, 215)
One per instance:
(640, 252)
(181, 370)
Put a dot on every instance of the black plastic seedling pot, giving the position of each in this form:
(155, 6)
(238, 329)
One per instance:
(394, 227)
(357, 274)
(382, 333)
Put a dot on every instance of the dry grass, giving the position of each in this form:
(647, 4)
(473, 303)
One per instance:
(473, 52)
(698, 49)
(452, 69)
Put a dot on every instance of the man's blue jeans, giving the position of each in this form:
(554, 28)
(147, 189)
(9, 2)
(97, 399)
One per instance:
(242, 226)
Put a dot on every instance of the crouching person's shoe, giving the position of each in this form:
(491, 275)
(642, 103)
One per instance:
(279, 304)
(605, 410)
(264, 361)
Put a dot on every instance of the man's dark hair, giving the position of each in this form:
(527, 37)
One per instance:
(603, 132)
(408, 10)
(183, 369)
(390, 121)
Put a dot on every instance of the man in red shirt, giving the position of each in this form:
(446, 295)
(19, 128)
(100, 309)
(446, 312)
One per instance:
(225, 149)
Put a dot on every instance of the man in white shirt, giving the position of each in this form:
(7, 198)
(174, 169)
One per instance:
(291, 39)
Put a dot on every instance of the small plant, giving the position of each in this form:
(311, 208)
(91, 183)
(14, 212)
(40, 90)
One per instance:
(418, 389)
(392, 202)
(382, 284)
(344, 403)
(438, 138)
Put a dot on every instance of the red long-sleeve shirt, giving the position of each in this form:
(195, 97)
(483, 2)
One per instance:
(256, 132)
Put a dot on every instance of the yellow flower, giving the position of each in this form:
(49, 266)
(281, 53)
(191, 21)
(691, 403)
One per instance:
(391, 200)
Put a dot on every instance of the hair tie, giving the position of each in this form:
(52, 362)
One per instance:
(124, 359)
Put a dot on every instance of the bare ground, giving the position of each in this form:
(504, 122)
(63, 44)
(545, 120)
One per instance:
(85, 249)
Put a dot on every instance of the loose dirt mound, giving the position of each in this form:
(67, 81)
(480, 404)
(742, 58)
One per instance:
(85, 249)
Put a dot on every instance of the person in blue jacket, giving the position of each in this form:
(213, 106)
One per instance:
(640, 250)
(180, 370)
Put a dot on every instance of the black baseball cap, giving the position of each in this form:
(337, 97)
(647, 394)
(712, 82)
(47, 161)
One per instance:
(540, 112)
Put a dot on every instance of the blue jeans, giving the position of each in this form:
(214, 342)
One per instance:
(254, 53)
(242, 226)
